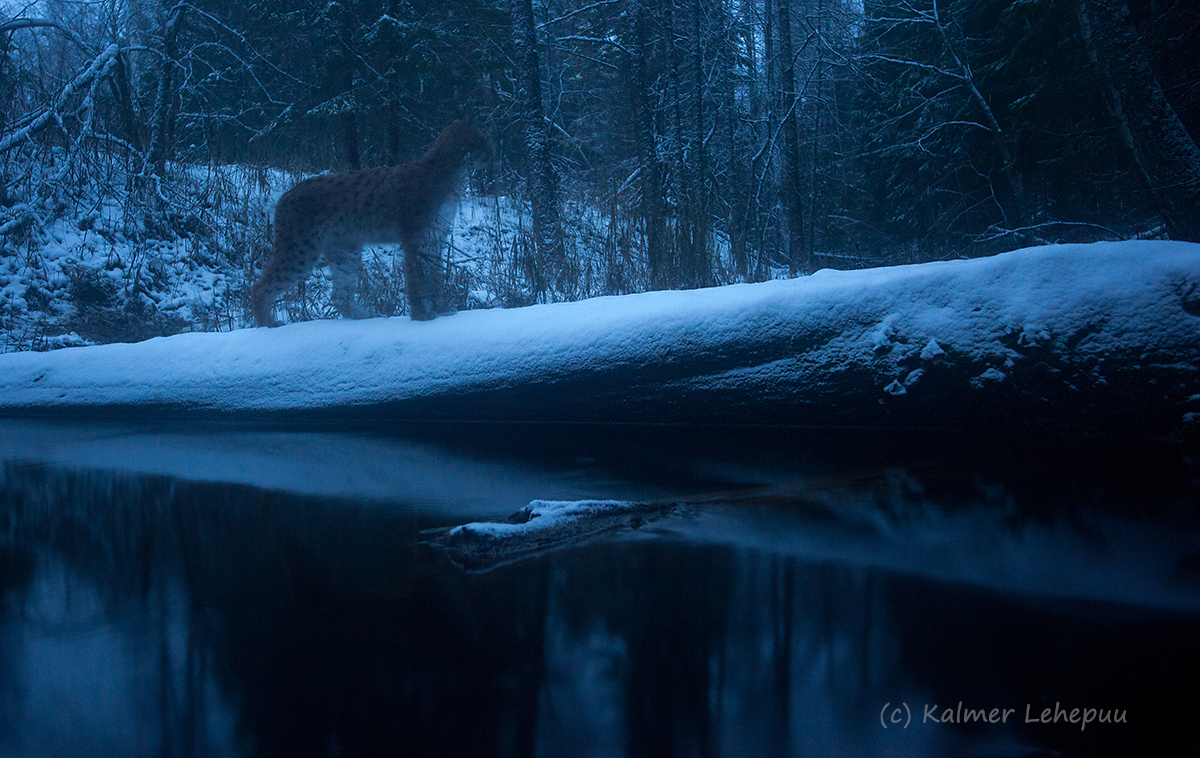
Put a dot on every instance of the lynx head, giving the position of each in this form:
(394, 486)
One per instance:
(457, 141)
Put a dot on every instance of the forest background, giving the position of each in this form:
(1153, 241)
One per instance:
(640, 144)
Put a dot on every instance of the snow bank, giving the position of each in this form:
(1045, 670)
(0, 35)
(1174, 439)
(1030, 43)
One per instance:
(1102, 337)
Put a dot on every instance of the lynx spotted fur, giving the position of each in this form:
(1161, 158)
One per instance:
(334, 215)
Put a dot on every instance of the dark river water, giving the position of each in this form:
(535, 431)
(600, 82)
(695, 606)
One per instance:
(218, 590)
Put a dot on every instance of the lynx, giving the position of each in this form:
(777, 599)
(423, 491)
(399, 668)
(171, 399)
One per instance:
(334, 215)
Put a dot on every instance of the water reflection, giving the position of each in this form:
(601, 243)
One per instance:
(163, 595)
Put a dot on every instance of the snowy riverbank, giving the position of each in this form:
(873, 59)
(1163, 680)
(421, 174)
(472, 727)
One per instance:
(1090, 338)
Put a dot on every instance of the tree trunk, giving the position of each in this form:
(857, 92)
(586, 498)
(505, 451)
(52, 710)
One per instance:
(347, 137)
(346, 126)
(1162, 149)
(124, 98)
(818, 78)
(697, 268)
(393, 130)
(736, 180)
(792, 193)
(681, 192)
(543, 184)
(160, 126)
(649, 166)
(5, 60)
(764, 166)
(757, 135)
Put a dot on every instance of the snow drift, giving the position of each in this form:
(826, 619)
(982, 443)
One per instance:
(1072, 338)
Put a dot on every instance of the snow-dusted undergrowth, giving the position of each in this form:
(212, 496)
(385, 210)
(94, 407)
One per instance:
(88, 268)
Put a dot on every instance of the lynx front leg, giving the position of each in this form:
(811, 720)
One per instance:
(344, 265)
(423, 280)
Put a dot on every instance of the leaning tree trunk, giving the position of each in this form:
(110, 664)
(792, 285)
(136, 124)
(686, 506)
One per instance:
(543, 185)
(1163, 151)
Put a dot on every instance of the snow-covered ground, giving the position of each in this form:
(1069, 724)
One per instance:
(1097, 329)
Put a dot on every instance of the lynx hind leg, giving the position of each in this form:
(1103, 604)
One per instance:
(423, 279)
(344, 266)
(287, 265)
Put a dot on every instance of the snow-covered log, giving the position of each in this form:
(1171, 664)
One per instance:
(1098, 338)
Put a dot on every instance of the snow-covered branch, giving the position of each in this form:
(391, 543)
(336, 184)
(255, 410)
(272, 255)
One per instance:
(97, 70)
